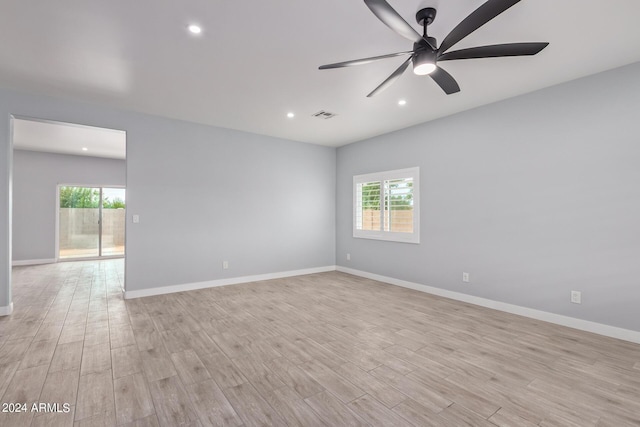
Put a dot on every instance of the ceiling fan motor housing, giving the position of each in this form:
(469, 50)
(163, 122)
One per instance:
(427, 44)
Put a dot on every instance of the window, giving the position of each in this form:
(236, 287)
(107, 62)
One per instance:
(386, 205)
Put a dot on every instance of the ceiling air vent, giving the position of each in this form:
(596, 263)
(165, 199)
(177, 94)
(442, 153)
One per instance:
(324, 114)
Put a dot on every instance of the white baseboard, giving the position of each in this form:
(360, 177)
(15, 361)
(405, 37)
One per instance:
(33, 262)
(223, 282)
(558, 319)
(6, 310)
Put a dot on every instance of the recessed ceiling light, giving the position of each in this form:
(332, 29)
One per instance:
(402, 102)
(291, 115)
(194, 29)
(85, 149)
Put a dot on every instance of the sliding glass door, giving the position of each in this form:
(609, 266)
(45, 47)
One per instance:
(113, 219)
(91, 222)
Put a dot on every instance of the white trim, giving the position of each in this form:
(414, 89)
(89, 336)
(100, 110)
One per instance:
(57, 231)
(558, 319)
(6, 310)
(33, 262)
(91, 258)
(223, 282)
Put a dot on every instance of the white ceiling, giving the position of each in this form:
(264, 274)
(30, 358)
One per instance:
(66, 138)
(257, 60)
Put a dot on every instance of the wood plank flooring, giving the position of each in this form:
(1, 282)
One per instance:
(326, 349)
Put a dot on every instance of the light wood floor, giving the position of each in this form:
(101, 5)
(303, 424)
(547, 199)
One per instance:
(324, 349)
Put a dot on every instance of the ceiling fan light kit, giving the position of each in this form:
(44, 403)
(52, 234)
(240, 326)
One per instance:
(426, 54)
(424, 62)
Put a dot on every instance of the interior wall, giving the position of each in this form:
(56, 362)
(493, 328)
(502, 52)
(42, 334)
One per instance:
(6, 174)
(534, 196)
(36, 176)
(207, 195)
(204, 195)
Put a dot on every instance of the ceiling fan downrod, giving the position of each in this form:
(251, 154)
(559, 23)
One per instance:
(425, 17)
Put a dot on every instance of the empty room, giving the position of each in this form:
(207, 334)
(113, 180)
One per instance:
(320, 213)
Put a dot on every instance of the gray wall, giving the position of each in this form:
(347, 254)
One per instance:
(264, 204)
(533, 196)
(206, 195)
(35, 178)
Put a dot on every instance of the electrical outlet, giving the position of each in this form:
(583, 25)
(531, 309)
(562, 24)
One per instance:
(348, 257)
(225, 264)
(465, 277)
(576, 297)
(136, 219)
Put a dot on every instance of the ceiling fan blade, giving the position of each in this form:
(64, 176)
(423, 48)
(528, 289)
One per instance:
(494, 51)
(445, 81)
(477, 19)
(392, 19)
(391, 79)
(362, 61)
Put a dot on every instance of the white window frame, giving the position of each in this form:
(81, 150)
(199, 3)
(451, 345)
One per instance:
(413, 173)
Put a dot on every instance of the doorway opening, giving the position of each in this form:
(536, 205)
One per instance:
(48, 156)
(91, 222)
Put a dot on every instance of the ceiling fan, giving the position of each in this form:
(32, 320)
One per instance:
(426, 54)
